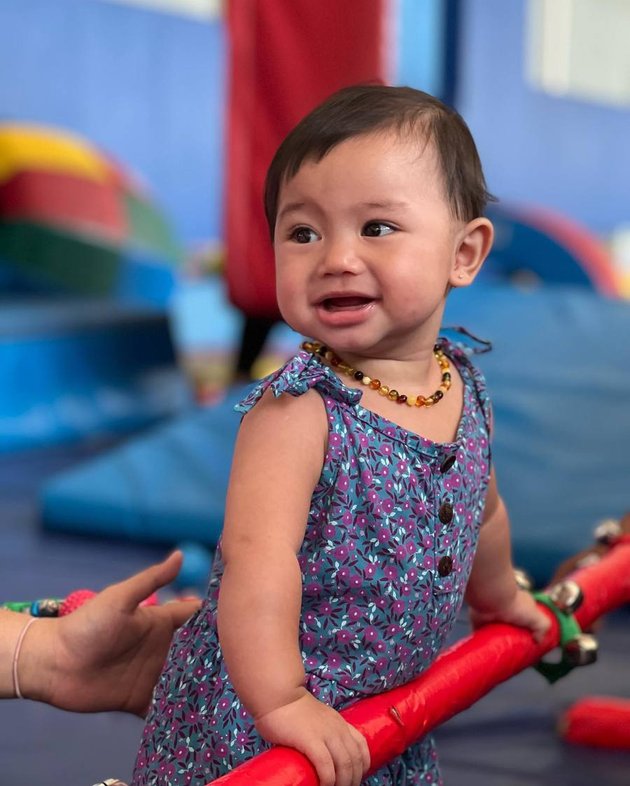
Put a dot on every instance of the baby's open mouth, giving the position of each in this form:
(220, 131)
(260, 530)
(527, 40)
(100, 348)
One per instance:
(344, 303)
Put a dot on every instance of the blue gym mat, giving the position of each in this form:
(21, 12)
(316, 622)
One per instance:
(83, 368)
(559, 375)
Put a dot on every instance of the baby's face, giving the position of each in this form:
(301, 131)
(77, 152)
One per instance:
(365, 245)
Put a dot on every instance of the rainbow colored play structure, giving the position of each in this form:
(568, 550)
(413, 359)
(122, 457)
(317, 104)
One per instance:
(74, 220)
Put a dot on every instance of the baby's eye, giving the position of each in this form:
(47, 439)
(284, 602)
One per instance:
(303, 235)
(377, 229)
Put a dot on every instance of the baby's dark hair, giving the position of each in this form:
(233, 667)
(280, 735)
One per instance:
(363, 109)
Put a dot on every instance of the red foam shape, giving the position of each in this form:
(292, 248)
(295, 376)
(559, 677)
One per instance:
(598, 721)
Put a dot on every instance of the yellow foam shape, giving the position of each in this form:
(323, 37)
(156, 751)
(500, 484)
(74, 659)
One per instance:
(31, 147)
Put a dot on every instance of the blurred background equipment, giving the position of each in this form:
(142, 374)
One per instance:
(74, 221)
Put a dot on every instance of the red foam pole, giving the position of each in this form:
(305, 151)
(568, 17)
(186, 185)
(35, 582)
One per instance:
(598, 721)
(457, 679)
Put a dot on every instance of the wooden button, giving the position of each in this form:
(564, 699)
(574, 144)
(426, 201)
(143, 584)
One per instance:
(445, 513)
(445, 566)
(448, 463)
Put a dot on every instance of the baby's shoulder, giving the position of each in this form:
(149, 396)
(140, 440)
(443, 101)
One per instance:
(301, 375)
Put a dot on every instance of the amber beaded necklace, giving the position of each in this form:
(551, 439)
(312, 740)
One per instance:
(375, 384)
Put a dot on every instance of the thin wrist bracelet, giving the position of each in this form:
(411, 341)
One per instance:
(16, 657)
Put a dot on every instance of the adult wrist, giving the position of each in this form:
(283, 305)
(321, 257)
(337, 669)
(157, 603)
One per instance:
(34, 661)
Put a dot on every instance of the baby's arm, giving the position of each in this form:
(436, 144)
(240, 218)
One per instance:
(492, 593)
(277, 462)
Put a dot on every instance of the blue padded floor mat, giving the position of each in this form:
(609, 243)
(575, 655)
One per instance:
(559, 375)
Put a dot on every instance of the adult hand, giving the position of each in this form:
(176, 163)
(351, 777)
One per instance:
(337, 751)
(108, 654)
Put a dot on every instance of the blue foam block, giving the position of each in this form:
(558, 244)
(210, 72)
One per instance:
(81, 368)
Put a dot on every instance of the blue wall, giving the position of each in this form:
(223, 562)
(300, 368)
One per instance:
(566, 154)
(146, 86)
(149, 87)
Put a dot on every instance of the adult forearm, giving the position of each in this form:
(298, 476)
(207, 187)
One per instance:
(259, 608)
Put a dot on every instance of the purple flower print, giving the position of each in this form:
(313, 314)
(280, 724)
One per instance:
(370, 633)
(312, 588)
(381, 664)
(387, 505)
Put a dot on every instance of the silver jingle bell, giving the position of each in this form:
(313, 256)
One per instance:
(607, 532)
(523, 580)
(581, 651)
(567, 596)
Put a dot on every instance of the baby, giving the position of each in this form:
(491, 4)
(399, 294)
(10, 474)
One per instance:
(362, 504)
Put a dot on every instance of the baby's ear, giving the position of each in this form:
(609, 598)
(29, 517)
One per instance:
(474, 244)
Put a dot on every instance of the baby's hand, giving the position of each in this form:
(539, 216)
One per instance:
(336, 749)
(522, 611)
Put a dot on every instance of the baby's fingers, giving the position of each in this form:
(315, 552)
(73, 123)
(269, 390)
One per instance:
(364, 750)
(321, 758)
(540, 627)
(347, 758)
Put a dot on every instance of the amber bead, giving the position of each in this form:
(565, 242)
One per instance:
(401, 399)
(375, 384)
(358, 375)
(393, 394)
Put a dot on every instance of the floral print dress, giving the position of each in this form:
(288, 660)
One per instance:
(391, 534)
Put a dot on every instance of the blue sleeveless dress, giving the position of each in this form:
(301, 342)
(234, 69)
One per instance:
(391, 534)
